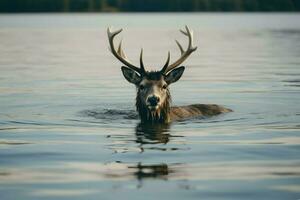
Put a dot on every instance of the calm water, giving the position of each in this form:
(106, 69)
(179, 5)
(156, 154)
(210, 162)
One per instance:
(67, 122)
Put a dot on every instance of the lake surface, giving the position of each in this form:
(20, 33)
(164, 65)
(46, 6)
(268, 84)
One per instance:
(67, 118)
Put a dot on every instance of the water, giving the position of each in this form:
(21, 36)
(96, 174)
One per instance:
(68, 129)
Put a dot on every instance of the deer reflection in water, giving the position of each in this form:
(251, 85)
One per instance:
(142, 172)
(149, 137)
(151, 171)
(155, 134)
(152, 133)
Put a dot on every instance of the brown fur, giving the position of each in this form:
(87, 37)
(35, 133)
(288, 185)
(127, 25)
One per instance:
(196, 110)
(165, 113)
(161, 115)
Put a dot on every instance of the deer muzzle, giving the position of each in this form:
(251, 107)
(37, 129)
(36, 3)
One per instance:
(153, 102)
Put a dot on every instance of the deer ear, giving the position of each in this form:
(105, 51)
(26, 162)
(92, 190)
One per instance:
(174, 75)
(130, 75)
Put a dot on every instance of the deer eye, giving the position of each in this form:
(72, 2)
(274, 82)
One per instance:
(165, 86)
(142, 87)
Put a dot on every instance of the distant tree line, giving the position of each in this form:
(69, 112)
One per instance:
(148, 5)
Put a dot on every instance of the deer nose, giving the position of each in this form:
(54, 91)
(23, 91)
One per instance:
(153, 100)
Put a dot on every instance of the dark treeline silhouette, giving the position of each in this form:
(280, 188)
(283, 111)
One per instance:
(147, 5)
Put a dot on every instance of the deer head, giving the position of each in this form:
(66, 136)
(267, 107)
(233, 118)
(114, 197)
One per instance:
(153, 96)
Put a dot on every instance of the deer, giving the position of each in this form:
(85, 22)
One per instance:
(153, 98)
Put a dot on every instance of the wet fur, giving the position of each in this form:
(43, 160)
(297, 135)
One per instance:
(161, 115)
(196, 110)
(166, 113)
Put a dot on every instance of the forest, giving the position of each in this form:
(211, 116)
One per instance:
(149, 6)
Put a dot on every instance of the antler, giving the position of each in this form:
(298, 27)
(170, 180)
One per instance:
(120, 55)
(184, 54)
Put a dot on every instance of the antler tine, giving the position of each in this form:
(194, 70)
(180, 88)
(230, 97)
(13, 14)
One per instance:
(166, 64)
(141, 61)
(190, 35)
(120, 50)
(182, 31)
(180, 47)
(120, 55)
(184, 53)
